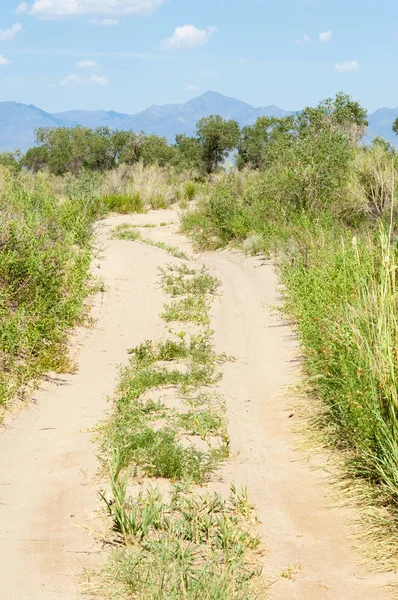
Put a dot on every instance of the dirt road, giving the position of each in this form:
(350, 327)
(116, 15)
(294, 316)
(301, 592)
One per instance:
(48, 477)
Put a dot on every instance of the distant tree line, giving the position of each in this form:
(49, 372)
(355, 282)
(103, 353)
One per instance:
(339, 121)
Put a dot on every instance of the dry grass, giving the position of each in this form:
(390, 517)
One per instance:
(158, 187)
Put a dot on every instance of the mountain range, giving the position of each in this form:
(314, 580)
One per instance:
(18, 121)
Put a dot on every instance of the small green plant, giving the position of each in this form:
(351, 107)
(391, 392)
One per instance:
(173, 250)
(191, 309)
(190, 190)
(125, 231)
(200, 283)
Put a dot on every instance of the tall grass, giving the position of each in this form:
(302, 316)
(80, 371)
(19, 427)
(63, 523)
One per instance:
(339, 273)
(45, 253)
(151, 186)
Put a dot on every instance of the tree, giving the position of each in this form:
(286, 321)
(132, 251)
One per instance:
(385, 145)
(64, 149)
(217, 137)
(36, 159)
(155, 150)
(189, 152)
(395, 126)
(259, 143)
(340, 114)
(11, 160)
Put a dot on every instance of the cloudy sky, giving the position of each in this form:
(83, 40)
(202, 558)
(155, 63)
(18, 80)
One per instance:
(128, 54)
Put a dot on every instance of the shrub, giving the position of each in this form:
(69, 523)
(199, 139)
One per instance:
(123, 203)
(45, 253)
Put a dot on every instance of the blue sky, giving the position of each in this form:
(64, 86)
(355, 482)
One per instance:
(128, 54)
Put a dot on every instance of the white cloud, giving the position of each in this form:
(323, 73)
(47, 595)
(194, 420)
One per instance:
(243, 61)
(191, 88)
(188, 36)
(72, 80)
(4, 61)
(90, 65)
(9, 34)
(304, 40)
(325, 37)
(106, 22)
(53, 9)
(345, 67)
(22, 9)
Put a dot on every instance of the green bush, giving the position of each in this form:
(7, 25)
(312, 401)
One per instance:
(190, 190)
(123, 203)
(45, 253)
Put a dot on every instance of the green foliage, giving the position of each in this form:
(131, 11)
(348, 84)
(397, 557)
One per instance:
(12, 160)
(45, 252)
(199, 282)
(123, 204)
(189, 152)
(63, 149)
(202, 548)
(159, 451)
(69, 150)
(217, 137)
(256, 143)
(155, 150)
(190, 190)
(341, 114)
(395, 126)
(192, 308)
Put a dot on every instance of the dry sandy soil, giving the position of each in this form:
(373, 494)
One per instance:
(48, 469)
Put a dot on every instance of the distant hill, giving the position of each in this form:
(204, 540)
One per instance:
(171, 119)
(18, 121)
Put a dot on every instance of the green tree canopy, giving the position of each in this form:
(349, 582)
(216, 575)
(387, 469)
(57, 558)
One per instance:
(217, 137)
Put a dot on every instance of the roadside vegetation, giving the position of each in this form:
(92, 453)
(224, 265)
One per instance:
(45, 254)
(46, 247)
(325, 208)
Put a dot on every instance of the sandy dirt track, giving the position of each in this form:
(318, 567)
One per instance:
(48, 466)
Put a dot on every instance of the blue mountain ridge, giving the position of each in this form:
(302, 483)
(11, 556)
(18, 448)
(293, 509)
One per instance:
(19, 121)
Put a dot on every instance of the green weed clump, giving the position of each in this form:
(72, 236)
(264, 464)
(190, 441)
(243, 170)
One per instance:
(123, 203)
(158, 451)
(126, 231)
(199, 284)
(184, 547)
(45, 253)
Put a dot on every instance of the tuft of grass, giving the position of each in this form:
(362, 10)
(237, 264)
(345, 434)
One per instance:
(203, 423)
(125, 231)
(191, 309)
(291, 570)
(200, 283)
(123, 203)
(173, 250)
(185, 547)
